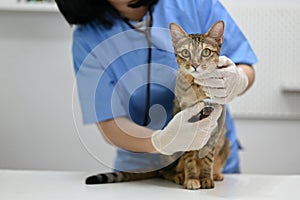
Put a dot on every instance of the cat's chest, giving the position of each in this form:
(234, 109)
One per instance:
(186, 91)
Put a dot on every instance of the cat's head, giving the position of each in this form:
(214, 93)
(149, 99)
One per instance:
(197, 53)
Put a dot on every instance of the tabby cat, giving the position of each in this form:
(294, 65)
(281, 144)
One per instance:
(194, 169)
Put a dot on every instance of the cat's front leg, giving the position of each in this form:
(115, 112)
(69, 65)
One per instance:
(192, 171)
(221, 157)
(206, 171)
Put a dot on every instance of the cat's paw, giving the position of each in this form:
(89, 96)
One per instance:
(192, 184)
(207, 183)
(178, 179)
(218, 177)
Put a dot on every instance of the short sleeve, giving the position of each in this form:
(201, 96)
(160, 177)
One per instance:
(95, 84)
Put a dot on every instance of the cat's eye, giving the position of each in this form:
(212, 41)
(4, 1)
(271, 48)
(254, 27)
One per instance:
(185, 53)
(206, 52)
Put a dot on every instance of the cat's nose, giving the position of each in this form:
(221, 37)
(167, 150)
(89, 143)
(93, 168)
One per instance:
(195, 66)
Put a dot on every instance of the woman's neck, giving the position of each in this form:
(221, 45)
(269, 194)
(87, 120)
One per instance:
(138, 14)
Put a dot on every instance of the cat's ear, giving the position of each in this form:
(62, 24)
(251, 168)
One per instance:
(177, 32)
(217, 32)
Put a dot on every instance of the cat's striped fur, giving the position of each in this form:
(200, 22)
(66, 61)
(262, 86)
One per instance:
(194, 169)
(199, 169)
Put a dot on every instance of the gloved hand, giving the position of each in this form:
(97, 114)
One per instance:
(182, 135)
(223, 84)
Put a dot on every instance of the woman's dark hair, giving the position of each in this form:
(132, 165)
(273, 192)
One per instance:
(84, 11)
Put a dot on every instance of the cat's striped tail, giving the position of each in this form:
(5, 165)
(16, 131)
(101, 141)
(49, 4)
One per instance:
(115, 177)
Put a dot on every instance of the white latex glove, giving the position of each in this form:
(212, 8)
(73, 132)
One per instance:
(182, 135)
(225, 83)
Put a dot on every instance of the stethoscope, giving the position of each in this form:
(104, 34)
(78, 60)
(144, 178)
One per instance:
(146, 32)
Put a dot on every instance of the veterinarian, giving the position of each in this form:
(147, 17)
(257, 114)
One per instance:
(126, 71)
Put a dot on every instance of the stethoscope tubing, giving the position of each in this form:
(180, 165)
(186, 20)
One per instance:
(147, 34)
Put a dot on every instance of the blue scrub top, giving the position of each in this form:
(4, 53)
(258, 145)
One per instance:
(111, 71)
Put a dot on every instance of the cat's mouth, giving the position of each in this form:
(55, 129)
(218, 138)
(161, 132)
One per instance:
(200, 70)
(194, 72)
(197, 70)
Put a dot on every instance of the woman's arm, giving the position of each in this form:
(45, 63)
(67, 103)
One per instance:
(127, 135)
(179, 135)
(250, 72)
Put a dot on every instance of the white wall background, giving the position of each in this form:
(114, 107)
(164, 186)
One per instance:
(37, 130)
(267, 118)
